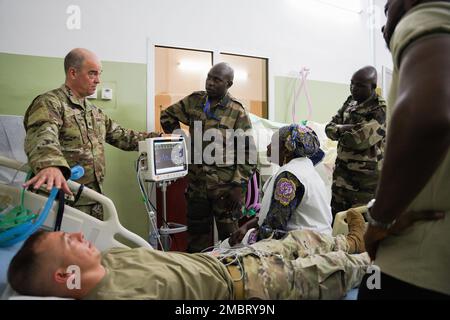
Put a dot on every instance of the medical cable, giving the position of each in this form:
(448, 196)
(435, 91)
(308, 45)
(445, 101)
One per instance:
(21, 232)
(17, 215)
(147, 203)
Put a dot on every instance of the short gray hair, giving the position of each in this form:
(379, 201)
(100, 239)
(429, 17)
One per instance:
(74, 59)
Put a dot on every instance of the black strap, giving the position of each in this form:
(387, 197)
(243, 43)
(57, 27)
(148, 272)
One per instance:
(78, 195)
(60, 213)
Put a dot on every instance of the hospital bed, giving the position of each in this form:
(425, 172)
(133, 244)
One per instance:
(101, 233)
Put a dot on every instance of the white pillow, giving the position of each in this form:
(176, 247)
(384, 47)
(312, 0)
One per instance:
(6, 292)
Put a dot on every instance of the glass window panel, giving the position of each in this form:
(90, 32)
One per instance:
(250, 82)
(178, 73)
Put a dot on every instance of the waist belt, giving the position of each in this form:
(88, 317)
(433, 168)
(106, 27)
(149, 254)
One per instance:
(238, 281)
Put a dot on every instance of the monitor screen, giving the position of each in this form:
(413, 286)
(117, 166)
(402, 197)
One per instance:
(169, 156)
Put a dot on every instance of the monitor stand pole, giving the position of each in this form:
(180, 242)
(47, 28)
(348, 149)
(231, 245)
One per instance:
(168, 228)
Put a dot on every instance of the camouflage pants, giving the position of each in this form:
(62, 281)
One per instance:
(352, 188)
(202, 207)
(303, 265)
(344, 199)
(95, 210)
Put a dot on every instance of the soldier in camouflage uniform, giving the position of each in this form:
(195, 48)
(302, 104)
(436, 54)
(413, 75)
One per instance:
(216, 188)
(360, 129)
(303, 265)
(64, 129)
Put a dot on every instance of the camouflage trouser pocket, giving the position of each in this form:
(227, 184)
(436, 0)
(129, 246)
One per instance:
(199, 215)
(94, 210)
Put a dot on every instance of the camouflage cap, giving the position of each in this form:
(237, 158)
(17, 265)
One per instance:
(301, 141)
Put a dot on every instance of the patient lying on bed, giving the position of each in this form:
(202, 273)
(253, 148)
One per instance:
(303, 265)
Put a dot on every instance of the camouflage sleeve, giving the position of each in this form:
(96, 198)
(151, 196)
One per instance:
(366, 134)
(244, 166)
(287, 195)
(42, 122)
(331, 129)
(125, 139)
(174, 114)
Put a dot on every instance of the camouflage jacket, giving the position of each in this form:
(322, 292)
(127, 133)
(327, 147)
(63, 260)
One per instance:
(364, 144)
(63, 131)
(233, 162)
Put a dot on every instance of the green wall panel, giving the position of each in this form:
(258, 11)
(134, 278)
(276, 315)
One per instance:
(326, 99)
(24, 77)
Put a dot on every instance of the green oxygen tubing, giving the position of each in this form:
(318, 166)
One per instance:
(24, 223)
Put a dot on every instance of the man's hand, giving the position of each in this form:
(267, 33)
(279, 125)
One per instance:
(52, 176)
(239, 234)
(374, 235)
(372, 238)
(235, 199)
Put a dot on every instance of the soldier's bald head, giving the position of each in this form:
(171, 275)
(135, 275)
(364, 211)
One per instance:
(367, 74)
(225, 69)
(83, 70)
(363, 83)
(219, 80)
(75, 58)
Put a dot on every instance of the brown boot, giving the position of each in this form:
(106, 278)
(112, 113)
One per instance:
(356, 229)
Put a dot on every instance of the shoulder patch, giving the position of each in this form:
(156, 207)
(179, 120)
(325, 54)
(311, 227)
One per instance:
(285, 191)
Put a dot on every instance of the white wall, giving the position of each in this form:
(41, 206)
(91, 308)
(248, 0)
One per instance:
(331, 41)
(382, 55)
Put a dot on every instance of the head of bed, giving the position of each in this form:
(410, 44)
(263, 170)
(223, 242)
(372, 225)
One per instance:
(101, 233)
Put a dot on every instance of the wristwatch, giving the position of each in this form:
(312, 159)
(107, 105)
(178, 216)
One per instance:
(374, 223)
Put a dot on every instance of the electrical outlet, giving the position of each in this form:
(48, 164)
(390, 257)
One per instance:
(107, 94)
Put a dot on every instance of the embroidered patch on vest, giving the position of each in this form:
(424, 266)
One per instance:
(285, 191)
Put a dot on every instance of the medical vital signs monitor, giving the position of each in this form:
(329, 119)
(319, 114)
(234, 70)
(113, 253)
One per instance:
(166, 158)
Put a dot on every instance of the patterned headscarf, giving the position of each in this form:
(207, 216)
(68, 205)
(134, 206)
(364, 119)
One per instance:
(301, 141)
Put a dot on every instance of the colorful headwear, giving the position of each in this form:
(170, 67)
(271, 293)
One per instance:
(301, 141)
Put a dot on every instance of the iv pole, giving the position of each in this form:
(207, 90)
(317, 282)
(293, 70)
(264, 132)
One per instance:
(167, 228)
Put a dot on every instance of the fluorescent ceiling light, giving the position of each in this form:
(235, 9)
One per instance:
(194, 66)
(203, 68)
(240, 75)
